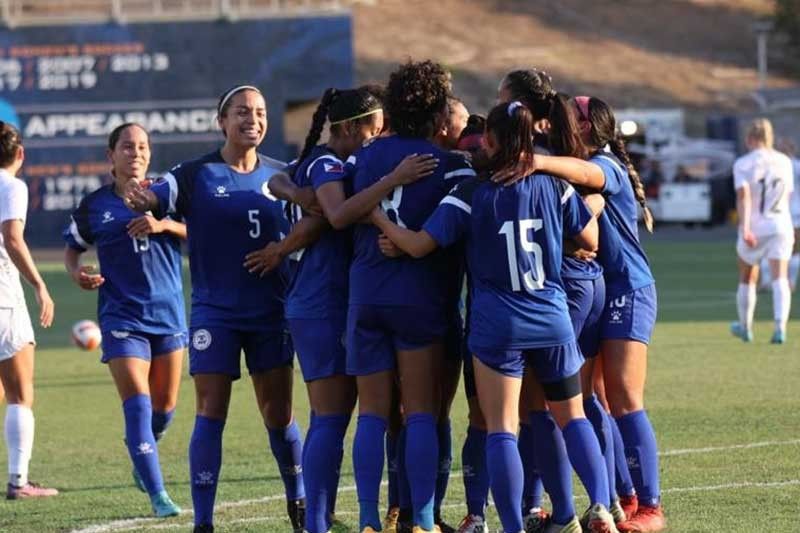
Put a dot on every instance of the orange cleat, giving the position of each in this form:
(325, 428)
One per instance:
(630, 504)
(646, 520)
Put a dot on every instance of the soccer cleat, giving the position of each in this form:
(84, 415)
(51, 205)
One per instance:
(779, 337)
(600, 520)
(28, 490)
(390, 522)
(647, 519)
(738, 331)
(629, 504)
(574, 526)
(418, 529)
(473, 524)
(204, 528)
(163, 506)
(535, 521)
(443, 526)
(617, 511)
(297, 514)
(137, 480)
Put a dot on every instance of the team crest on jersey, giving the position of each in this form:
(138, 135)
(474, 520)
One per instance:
(107, 217)
(265, 190)
(221, 192)
(120, 334)
(334, 167)
(201, 339)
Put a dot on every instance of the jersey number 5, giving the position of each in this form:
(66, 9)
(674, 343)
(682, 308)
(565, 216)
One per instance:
(534, 278)
(255, 231)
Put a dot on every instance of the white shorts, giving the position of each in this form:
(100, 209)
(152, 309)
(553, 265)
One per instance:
(15, 331)
(778, 246)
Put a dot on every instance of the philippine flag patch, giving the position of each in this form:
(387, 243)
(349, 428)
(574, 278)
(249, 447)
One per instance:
(334, 167)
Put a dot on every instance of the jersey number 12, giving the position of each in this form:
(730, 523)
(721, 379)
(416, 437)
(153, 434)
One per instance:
(534, 278)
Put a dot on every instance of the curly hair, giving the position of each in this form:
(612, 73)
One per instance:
(416, 96)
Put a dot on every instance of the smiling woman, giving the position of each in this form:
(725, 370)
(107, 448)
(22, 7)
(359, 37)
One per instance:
(223, 196)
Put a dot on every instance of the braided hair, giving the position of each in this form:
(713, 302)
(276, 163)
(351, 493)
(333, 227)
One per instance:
(339, 107)
(604, 132)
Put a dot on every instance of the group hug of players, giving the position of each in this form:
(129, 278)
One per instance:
(355, 257)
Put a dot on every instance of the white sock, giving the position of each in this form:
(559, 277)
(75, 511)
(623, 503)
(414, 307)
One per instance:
(19, 441)
(746, 304)
(781, 302)
(794, 268)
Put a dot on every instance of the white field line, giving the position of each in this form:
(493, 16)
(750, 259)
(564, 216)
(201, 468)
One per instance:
(130, 524)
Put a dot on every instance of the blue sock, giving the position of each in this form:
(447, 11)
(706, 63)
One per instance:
(422, 452)
(205, 461)
(391, 470)
(602, 428)
(641, 451)
(161, 421)
(320, 463)
(554, 466)
(624, 482)
(444, 432)
(403, 487)
(333, 489)
(311, 426)
(505, 473)
(532, 487)
(368, 468)
(584, 454)
(287, 448)
(141, 443)
(474, 473)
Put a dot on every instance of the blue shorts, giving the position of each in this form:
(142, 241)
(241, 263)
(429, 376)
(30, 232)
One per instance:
(217, 350)
(551, 364)
(631, 316)
(376, 332)
(141, 345)
(586, 299)
(319, 344)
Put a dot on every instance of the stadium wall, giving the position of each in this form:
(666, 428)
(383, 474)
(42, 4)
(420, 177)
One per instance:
(67, 86)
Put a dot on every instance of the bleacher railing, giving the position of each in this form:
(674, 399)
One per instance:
(41, 12)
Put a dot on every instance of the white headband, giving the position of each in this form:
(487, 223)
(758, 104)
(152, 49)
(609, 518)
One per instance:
(513, 106)
(233, 91)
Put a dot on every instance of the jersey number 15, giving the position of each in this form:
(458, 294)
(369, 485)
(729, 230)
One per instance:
(534, 278)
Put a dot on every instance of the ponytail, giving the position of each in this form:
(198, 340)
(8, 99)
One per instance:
(618, 148)
(318, 123)
(564, 137)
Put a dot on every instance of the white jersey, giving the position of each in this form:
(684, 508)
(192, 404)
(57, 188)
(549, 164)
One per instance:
(770, 177)
(13, 206)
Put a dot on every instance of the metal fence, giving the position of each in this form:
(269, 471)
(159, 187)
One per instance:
(43, 12)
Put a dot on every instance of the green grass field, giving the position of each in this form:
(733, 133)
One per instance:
(725, 413)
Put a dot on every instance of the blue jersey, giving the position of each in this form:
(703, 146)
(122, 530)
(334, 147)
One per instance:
(514, 247)
(405, 281)
(320, 279)
(624, 262)
(228, 215)
(142, 290)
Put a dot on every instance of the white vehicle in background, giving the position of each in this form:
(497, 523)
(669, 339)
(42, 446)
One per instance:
(687, 180)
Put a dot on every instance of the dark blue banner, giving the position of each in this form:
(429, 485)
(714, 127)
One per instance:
(67, 87)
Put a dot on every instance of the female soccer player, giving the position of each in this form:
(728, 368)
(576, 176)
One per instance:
(518, 311)
(629, 316)
(316, 306)
(397, 314)
(229, 212)
(16, 333)
(140, 304)
(764, 181)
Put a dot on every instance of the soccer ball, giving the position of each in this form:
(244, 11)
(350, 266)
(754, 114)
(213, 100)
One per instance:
(86, 335)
